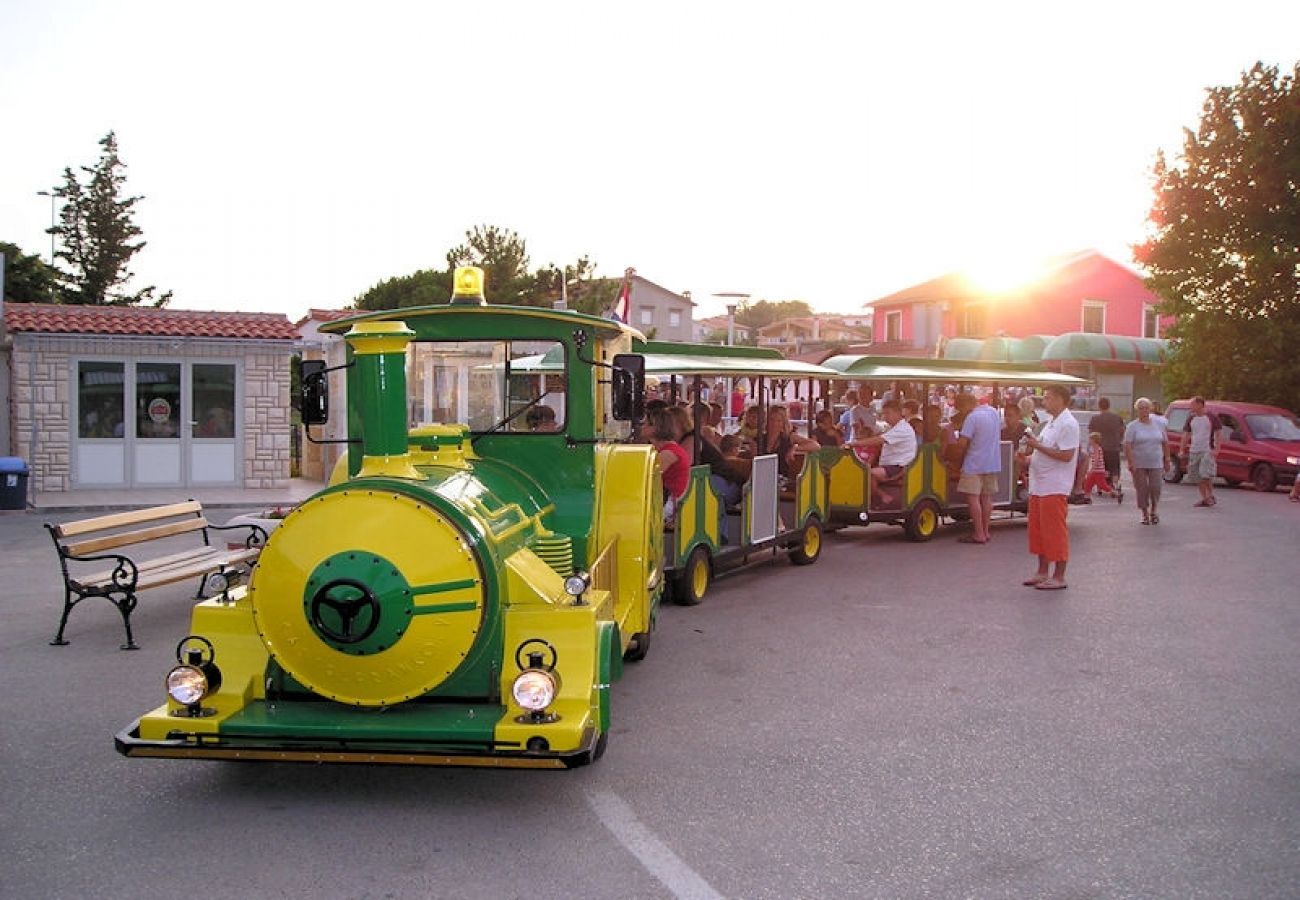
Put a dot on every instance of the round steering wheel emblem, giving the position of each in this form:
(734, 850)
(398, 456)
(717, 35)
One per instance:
(344, 611)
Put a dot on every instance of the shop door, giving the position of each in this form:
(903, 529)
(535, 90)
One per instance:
(212, 450)
(157, 446)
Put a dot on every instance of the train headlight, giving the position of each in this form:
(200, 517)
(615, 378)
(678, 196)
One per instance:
(187, 685)
(577, 584)
(195, 675)
(534, 689)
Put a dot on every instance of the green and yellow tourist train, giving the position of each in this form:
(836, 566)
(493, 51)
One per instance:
(492, 545)
(460, 594)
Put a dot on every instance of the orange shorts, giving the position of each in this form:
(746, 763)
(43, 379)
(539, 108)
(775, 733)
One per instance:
(1049, 536)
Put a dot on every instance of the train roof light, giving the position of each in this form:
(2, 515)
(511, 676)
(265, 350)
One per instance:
(467, 287)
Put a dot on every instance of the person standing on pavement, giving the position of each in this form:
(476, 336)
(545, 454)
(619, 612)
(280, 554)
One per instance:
(1146, 450)
(1201, 450)
(981, 431)
(1051, 478)
(1111, 428)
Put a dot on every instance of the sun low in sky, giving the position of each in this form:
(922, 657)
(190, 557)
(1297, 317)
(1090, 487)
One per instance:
(293, 154)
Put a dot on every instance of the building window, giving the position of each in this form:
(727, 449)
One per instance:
(674, 318)
(212, 400)
(1094, 317)
(157, 400)
(1150, 322)
(976, 320)
(647, 315)
(100, 399)
(894, 326)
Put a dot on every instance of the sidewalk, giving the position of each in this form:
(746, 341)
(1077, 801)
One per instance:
(299, 489)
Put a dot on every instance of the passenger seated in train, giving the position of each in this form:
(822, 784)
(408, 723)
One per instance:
(674, 461)
(824, 430)
(897, 443)
(912, 413)
(780, 438)
(728, 479)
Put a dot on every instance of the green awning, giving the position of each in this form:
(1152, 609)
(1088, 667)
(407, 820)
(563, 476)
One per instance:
(945, 371)
(1080, 346)
(998, 349)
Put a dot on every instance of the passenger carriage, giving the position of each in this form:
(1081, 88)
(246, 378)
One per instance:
(926, 491)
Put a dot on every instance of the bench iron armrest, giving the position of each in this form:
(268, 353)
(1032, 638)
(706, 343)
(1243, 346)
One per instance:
(124, 575)
(256, 533)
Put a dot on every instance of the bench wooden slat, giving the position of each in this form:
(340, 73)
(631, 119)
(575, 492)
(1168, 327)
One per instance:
(170, 574)
(132, 517)
(140, 536)
(105, 576)
(89, 537)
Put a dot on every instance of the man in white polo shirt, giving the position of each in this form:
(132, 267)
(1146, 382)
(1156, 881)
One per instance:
(1051, 478)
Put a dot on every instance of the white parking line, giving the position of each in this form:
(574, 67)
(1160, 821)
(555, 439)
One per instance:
(651, 852)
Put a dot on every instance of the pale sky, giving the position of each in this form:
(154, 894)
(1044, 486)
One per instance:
(293, 154)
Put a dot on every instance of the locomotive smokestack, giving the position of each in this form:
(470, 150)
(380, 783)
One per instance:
(379, 349)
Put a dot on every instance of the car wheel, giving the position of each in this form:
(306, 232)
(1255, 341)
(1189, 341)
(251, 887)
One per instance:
(923, 521)
(809, 547)
(639, 647)
(1264, 477)
(1173, 471)
(693, 583)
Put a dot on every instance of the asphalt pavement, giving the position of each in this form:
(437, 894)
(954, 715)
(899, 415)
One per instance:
(899, 720)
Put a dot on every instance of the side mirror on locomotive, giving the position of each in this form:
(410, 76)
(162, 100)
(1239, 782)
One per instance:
(314, 392)
(629, 387)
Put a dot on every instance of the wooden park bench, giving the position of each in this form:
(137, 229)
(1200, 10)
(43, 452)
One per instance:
(141, 557)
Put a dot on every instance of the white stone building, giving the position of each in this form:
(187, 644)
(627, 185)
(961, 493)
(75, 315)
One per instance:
(129, 397)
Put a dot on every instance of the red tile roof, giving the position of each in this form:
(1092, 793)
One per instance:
(326, 315)
(47, 318)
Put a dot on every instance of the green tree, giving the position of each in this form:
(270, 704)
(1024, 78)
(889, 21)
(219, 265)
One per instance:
(1224, 250)
(423, 288)
(98, 234)
(27, 278)
(503, 257)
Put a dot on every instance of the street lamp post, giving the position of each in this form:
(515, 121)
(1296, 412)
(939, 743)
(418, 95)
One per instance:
(53, 221)
(733, 301)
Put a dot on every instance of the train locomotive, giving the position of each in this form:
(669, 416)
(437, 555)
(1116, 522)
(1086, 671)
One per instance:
(468, 585)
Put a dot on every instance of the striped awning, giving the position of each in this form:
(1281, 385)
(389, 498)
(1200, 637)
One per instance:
(1078, 346)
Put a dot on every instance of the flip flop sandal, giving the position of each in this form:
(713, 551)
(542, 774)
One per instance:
(967, 539)
(1050, 585)
(1033, 581)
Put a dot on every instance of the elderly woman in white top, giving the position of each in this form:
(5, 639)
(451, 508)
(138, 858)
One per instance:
(1146, 450)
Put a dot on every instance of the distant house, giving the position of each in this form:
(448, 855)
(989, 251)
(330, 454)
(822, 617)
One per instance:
(658, 312)
(805, 333)
(128, 397)
(1082, 292)
(714, 330)
(1083, 314)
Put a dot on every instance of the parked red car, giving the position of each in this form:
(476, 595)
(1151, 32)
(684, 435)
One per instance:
(1259, 444)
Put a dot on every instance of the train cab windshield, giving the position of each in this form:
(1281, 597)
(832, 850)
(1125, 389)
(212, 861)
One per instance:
(504, 386)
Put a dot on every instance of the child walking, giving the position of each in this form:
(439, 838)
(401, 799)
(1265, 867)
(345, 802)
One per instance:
(1097, 476)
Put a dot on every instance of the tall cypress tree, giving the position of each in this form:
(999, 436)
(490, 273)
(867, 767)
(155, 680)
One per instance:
(98, 235)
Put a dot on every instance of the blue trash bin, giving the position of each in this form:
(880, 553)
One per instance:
(13, 482)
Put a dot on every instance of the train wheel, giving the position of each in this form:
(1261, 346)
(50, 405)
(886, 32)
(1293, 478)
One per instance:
(922, 521)
(693, 583)
(639, 647)
(810, 546)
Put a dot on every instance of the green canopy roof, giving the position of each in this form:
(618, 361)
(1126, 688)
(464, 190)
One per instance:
(948, 371)
(998, 349)
(1102, 348)
(666, 358)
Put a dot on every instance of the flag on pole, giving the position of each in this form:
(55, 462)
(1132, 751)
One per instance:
(623, 305)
